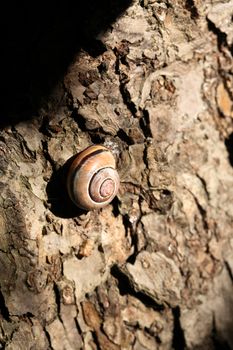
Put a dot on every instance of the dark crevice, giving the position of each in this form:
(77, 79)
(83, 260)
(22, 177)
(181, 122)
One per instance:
(204, 186)
(145, 159)
(125, 287)
(48, 338)
(115, 205)
(230, 273)
(131, 259)
(152, 333)
(96, 341)
(97, 137)
(218, 342)
(178, 341)
(203, 215)
(221, 37)
(57, 298)
(3, 344)
(134, 239)
(145, 124)
(124, 137)
(191, 7)
(127, 99)
(78, 327)
(229, 147)
(80, 120)
(3, 308)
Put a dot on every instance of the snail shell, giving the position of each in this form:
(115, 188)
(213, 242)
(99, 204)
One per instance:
(92, 178)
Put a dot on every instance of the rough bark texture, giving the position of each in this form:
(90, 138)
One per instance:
(154, 269)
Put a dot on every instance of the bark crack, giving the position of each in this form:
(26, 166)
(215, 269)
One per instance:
(178, 333)
(216, 338)
(3, 308)
(204, 186)
(229, 147)
(47, 335)
(125, 287)
(229, 270)
(221, 37)
(145, 124)
(191, 7)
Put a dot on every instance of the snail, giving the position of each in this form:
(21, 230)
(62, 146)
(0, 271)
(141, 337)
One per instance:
(93, 180)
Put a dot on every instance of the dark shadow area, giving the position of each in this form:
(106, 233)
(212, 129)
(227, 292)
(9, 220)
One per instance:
(191, 7)
(229, 146)
(59, 201)
(39, 41)
(218, 341)
(178, 341)
(3, 309)
(221, 37)
(125, 287)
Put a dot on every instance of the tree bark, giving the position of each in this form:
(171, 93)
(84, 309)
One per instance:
(154, 269)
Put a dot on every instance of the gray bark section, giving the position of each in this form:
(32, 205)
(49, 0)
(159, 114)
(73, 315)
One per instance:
(154, 269)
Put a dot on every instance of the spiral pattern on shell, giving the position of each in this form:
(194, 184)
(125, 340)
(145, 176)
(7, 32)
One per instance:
(92, 178)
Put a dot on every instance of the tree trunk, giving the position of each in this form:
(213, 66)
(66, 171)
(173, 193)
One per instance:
(154, 269)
